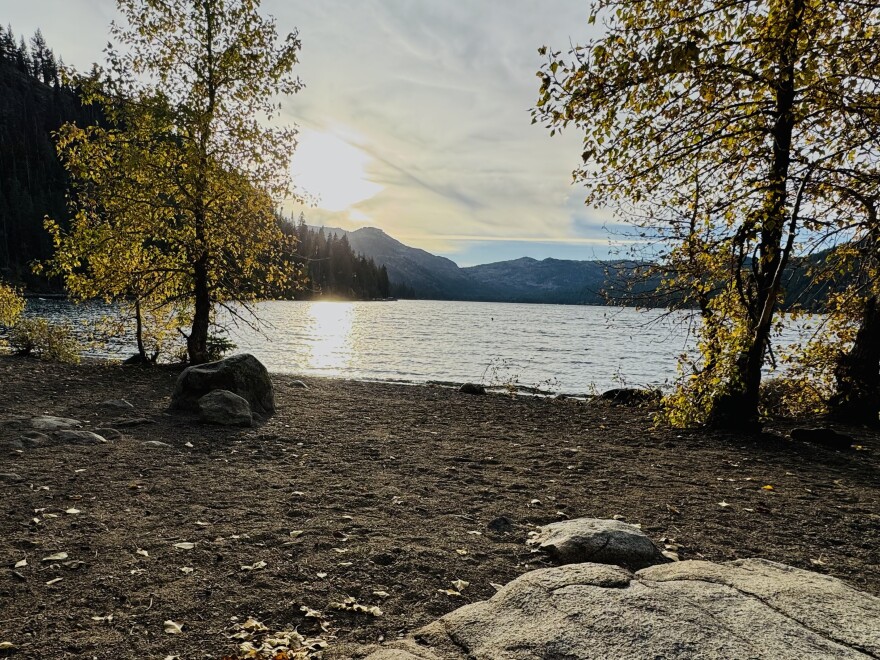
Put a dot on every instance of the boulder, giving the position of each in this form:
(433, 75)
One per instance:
(243, 375)
(225, 408)
(599, 541)
(742, 609)
(472, 388)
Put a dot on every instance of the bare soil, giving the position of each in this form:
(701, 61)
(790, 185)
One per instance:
(393, 488)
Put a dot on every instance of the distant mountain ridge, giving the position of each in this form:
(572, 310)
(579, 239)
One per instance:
(526, 280)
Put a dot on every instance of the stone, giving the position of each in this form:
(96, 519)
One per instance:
(126, 422)
(10, 478)
(117, 405)
(156, 443)
(628, 396)
(500, 525)
(80, 438)
(243, 375)
(225, 408)
(823, 436)
(298, 383)
(51, 423)
(109, 433)
(599, 541)
(472, 388)
(749, 608)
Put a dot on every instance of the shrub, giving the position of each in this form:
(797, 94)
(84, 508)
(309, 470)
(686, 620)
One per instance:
(11, 305)
(48, 341)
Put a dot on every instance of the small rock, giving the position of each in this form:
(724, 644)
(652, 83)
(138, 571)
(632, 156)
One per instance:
(80, 438)
(472, 388)
(156, 443)
(11, 477)
(109, 434)
(823, 436)
(51, 423)
(599, 541)
(33, 439)
(126, 422)
(501, 525)
(117, 404)
(298, 383)
(225, 408)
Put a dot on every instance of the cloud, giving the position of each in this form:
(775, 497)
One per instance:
(431, 101)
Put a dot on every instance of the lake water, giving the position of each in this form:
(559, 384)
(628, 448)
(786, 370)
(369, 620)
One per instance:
(570, 349)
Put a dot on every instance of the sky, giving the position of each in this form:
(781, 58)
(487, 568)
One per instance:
(414, 118)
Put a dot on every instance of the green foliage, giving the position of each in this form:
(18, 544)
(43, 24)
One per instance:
(48, 341)
(219, 345)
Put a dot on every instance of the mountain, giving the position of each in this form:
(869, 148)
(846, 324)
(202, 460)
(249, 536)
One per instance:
(528, 280)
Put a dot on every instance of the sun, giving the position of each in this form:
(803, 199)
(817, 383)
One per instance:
(332, 170)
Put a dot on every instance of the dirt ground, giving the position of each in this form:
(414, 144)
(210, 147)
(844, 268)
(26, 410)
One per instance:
(386, 488)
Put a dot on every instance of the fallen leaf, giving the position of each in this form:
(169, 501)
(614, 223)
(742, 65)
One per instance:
(185, 545)
(201, 523)
(460, 584)
(767, 487)
(322, 575)
(21, 564)
(58, 556)
(188, 444)
(255, 566)
(143, 552)
(172, 627)
(186, 569)
(474, 532)
(72, 511)
(54, 581)
(817, 562)
(6, 646)
(105, 619)
(461, 551)
(252, 625)
(723, 504)
(450, 592)
(295, 533)
(381, 594)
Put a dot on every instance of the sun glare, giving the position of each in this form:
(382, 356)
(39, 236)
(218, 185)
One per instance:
(331, 324)
(331, 169)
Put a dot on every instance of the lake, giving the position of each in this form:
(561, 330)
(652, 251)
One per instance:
(571, 349)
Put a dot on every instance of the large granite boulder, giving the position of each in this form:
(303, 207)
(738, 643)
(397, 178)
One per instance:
(599, 541)
(225, 408)
(243, 375)
(742, 609)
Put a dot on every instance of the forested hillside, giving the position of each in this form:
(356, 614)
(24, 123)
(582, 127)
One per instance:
(333, 269)
(33, 104)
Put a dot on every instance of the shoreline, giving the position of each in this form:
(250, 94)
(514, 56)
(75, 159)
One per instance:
(354, 488)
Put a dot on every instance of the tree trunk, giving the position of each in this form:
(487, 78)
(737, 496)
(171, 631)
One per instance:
(739, 408)
(139, 331)
(197, 342)
(857, 399)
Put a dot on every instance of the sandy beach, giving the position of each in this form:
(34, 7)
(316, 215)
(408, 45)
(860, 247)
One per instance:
(384, 493)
